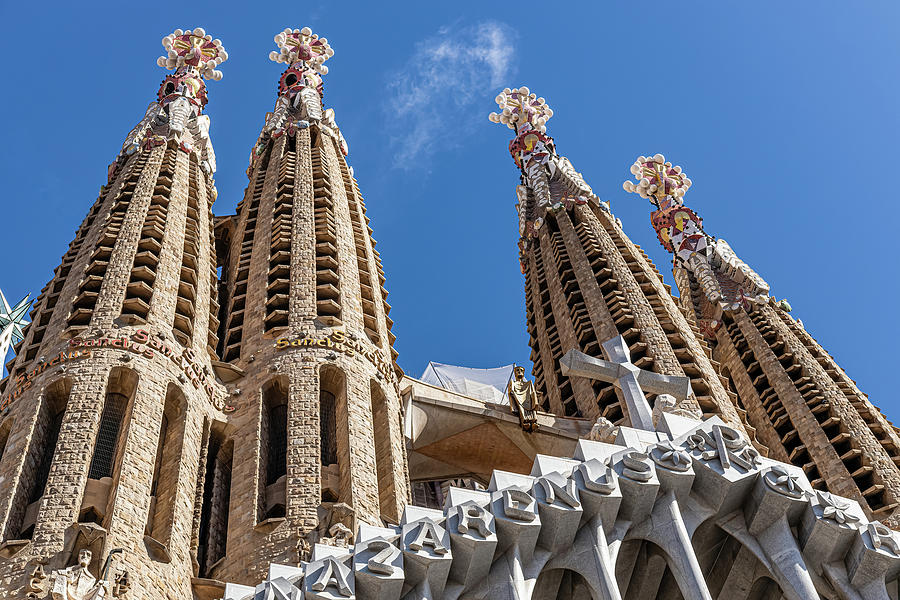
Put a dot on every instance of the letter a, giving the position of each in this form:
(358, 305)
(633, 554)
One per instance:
(427, 536)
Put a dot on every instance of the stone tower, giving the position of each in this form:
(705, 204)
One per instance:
(316, 436)
(586, 282)
(802, 404)
(112, 393)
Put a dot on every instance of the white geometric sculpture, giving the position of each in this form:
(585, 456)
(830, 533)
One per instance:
(12, 323)
(576, 513)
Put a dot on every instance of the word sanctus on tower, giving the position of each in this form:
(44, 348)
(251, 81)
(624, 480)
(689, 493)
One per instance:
(209, 407)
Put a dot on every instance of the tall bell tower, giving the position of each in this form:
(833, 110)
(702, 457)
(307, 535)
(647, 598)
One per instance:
(803, 405)
(316, 435)
(586, 283)
(109, 400)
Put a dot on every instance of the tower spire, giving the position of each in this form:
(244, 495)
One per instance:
(803, 406)
(587, 283)
(724, 278)
(551, 178)
(307, 322)
(125, 331)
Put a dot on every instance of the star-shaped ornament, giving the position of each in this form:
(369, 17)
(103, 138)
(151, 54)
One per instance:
(14, 318)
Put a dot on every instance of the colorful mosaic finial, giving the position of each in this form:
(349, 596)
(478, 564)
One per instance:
(304, 52)
(657, 179)
(678, 228)
(519, 107)
(302, 45)
(194, 49)
(725, 279)
(300, 88)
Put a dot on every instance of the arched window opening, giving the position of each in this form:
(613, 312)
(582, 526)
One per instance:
(763, 589)
(384, 455)
(273, 449)
(327, 429)
(334, 442)
(108, 445)
(213, 532)
(641, 571)
(163, 490)
(108, 435)
(5, 428)
(38, 460)
(562, 584)
(729, 567)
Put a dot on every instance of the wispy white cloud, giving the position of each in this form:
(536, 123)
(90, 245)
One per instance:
(446, 85)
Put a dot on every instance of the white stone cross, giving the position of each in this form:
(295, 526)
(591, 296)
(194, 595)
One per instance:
(628, 379)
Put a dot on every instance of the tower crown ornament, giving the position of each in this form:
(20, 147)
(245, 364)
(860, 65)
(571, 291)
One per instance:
(678, 228)
(303, 46)
(193, 49)
(657, 179)
(300, 89)
(549, 181)
(521, 107)
(193, 55)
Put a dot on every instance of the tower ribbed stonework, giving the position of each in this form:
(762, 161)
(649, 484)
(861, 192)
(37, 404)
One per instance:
(317, 435)
(804, 407)
(586, 282)
(108, 401)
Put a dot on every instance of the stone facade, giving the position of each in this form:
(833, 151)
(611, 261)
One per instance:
(164, 444)
(112, 392)
(804, 407)
(122, 425)
(306, 321)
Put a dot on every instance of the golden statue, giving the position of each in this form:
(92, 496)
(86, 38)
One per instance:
(523, 399)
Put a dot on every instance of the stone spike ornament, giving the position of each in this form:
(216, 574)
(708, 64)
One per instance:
(724, 278)
(12, 323)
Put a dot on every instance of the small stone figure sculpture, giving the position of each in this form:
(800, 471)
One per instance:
(339, 535)
(666, 403)
(77, 583)
(523, 399)
(603, 430)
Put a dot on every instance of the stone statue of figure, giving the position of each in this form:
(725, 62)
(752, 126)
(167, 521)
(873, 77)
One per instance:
(77, 583)
(523, 399)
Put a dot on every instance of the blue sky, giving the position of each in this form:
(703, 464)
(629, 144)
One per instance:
(784, 115)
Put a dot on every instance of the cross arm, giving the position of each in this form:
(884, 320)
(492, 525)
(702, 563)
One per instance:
(676, 385)
(581, 365)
